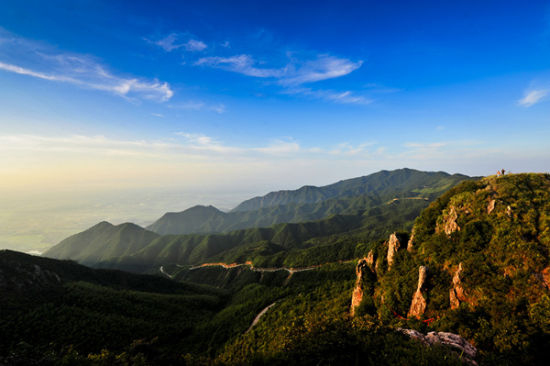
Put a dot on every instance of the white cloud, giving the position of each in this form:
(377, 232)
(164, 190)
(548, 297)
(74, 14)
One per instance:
(172, 42)
(188, 105)
(242, 64)
(43, 62)
(279, 147)
(292, 74)
(195, 45)
(532, 97)
(346, 97)
(323, 68)
(219, 108)
(199, 105)
(349, 150)
(423, 145)
(168, 43)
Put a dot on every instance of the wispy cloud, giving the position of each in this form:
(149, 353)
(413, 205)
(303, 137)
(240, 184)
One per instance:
(43, 62)
(345, 97)
(294, 73)
(322, 68)
(174, 41)
(184, 144)
(199, 105)
(242, 64)
(280, 147)
(532, 97)
(348, 149)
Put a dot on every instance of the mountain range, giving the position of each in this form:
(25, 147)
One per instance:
(272, 229)
(309, 202)
(461, 280)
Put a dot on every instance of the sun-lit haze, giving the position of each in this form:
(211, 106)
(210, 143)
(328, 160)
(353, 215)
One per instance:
(121, 112)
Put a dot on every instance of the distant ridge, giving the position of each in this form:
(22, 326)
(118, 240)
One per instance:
(309, 202)
(195, 219)
(361, 209)
(379, 183)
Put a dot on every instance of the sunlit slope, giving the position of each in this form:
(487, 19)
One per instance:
(384, 184)
(310, 203)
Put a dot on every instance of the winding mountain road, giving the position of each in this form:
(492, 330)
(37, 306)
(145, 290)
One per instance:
(260, 314)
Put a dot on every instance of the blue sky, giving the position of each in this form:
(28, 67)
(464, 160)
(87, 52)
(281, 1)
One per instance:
(260, 95)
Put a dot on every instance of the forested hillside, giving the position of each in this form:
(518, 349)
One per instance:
(310, 203)
(295, 232)
(469, 284)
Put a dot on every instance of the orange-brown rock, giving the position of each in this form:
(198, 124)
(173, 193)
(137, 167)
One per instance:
(546, 277)
(393, 246)
(370, 259)
(491, 207)
(357, 297)
(410, 243)
(449, 225)
(456, 294)
(418, 304)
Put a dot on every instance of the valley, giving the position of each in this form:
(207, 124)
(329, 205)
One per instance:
(429, 278)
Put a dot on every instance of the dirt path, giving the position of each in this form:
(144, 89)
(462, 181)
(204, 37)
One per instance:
(257, 318)
(165, 273)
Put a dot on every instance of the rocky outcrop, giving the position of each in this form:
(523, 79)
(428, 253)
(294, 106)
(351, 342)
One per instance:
(357, 296)
(418, 304)
(465, 348)
(393, 246)
(491, 206)
(410, 243)
(370, 259)
(364, 272)
(456, 294)
(449, 225)
(546, 277)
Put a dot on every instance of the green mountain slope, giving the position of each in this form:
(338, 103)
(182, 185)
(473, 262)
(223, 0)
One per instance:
(197, 219)
(265, 240)
(331, 239)
(310, 203)
(478, 264)
(101, 242)
(385, 183)
(54, 309)
(60, 313)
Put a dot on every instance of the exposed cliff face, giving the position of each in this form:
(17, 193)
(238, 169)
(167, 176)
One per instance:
(456, 294)
(394, 243)
(448, 224)
(393, 246)
(486, 244)
(418, 304)
(450, 339)
(491, 206)
(410, 243)
(357, 296)
(364, 275)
